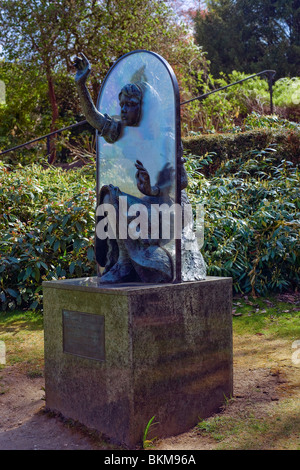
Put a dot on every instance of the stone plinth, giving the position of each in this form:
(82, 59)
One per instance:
(117, 355)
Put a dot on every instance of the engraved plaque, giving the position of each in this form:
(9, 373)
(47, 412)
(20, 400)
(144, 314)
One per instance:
(83, 335)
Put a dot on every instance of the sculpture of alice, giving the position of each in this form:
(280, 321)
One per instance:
(142, 259)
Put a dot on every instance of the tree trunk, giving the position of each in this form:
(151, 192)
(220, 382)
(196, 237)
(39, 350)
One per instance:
(54, 107)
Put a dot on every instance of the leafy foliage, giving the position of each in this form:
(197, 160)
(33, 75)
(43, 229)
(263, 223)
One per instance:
(251, 224)
(252, 221)
(23, 114)
(47, 227)
(287, 91)
(259, 132)
(220, 111)
(50, 33)
(251, 36)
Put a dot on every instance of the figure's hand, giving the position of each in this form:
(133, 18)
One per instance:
(83, 67)
(143, 180)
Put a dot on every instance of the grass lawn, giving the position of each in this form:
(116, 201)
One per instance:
(23, 336)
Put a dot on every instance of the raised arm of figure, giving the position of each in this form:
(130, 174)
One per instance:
(108, 127)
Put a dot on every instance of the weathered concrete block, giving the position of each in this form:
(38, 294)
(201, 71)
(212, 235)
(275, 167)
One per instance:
(117, 355)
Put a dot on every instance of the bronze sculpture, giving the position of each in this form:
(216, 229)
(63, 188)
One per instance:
(143, 258)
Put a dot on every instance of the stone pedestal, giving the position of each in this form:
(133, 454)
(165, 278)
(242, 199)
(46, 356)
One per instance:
(117, 355)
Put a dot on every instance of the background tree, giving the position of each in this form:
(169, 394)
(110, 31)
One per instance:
(39, 32)
(251, 36)
(23, 115)
(42, 35)
(121, 26)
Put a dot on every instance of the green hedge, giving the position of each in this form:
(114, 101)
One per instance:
(252, 221)
(47, 230)
(231, 146)
(252, 225)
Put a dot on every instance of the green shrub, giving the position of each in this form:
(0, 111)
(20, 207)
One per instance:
(254, 95)
(287, 91)
(235, 146)
(252, 221)
(221, 111)
(274, 122)
(47, 227)
(251, 225)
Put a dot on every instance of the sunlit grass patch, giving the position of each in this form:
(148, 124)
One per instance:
(222, 428)
(267, 315)
(22, 333)
(279, 428)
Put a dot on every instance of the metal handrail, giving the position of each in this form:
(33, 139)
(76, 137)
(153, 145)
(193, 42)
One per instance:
(270, 74)
(44, 137)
